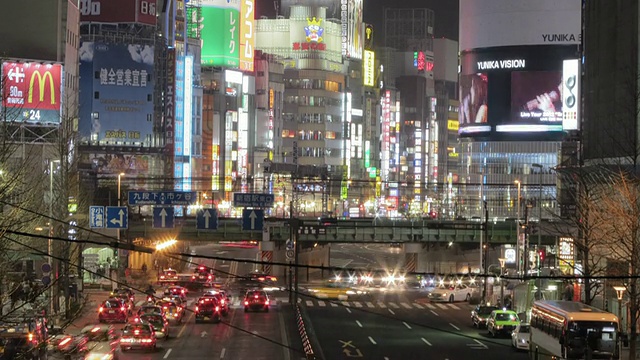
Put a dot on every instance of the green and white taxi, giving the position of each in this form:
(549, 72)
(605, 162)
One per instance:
(502, 322)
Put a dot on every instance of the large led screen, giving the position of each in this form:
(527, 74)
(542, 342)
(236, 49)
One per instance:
(473, 92)
(220, 33)
(535, 97)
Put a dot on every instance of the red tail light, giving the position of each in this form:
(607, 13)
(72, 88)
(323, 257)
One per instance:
(64, 342)
(266, 302)
(222, 301)
(201, 267)
(246, 303)
(193, 277)
(100, 309)
(182, 291)
(217, 308)
(122, 308)
(161, 276)
(209, 277)
(137, 332)
(261, 278)
(256, 296)
(197, 309)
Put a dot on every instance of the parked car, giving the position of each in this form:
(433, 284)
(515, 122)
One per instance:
(520, 337)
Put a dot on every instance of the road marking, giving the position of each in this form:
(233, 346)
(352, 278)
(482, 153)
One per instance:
(481, 344)
(431, 306)
(426, 341)
(418, 306)
(382, 306)
(454, 307)
(372, 341)
(283, 335)
(333, 304)
(370, 304)
(407, 325)
(309, 303)
(441, 306)
(392, 312)
(455, 327)
(406, 306)
(386, 358)
(348, 310)
(184, 326)
(166, 355)
(434, 313)
(321, 303)
(345, 303)
(357, 304)
(394, 305)
(358, 322)
(222, 353)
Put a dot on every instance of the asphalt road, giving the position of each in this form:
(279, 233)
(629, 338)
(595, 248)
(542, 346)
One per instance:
(401, 325)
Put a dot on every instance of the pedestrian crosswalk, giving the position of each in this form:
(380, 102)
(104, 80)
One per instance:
(399, 305)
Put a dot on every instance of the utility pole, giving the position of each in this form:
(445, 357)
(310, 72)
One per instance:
(485, 249)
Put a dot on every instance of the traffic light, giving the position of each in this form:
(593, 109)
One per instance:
(541, 255)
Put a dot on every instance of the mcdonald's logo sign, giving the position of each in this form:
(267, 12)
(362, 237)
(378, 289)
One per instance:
(42, 81)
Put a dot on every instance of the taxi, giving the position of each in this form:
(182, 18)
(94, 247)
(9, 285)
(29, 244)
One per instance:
(335, 290)
(502, 322)
(171, 311)
(480, 315)
(138, 336)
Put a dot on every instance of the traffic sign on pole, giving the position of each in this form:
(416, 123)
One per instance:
(252, 220)
(289, 254)
(162, 198)
(96, 217)
(207, 219)
(163, 217)
(289, 244)
(252, 200)
(117, 217)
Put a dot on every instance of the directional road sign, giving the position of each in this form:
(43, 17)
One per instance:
(162, 197)
(289, 244)
(117, 217)
(96, 216)
(207, 219)
(252, 219)
(289, 254)
(163, 217)
(252, 200)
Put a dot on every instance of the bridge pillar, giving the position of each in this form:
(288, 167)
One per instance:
(266, 254)
(411, 251)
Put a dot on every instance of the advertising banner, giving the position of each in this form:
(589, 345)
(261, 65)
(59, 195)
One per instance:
(535, 96)
(118, 11)
(221, 32)
(32, 92)
(133, 166)
(116, 98)
(369, 65)
(247, 34)
(170, 103)
(355, 35)
(571, 94)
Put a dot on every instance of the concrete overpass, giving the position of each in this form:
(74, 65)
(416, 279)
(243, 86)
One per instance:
(369, 230)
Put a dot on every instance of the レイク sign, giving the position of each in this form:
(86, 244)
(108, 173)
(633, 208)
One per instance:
(33, 88)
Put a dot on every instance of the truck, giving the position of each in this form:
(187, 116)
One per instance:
(24, 336)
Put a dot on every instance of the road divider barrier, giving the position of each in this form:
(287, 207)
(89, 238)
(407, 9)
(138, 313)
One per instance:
(306, 343)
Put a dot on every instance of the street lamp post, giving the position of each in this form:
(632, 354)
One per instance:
(620, 294)
(502, 263)
(518, 250)
(51, 231)
(121, 268)
(539, 167)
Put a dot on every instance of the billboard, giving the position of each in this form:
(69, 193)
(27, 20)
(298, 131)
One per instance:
(535, 97)
(32, 92)
(118, 11)
(247, 34)
(134, 167)
(220, 32)
(170, 103)
(355, 30)
(369, 65)
(571, 94)
(116, 98)
(492, 23)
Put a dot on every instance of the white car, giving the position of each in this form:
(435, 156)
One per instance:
(520, 337)
(460, 292)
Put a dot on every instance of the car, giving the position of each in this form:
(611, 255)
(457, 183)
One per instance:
(256, 300)
(159, 324)
(126, 301)
(335, 290)
(520, 337)
(124, 291)
(502, 322)
(149, 310)
(168, 275)
(459, 292)
(480, 315)
(207, 308)
(177, 291)
(171, 311)
(261, 277)
(113, 310)
(138, 336)
(179, 300)
(221, 300)
(203, 274)
(97, 342)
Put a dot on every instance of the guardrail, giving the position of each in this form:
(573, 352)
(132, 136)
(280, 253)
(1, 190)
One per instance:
(302, 329)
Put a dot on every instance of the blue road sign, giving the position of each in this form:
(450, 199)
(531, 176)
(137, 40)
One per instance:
(207, 219)
(163, 217)
(252, 220)
(117, 217)
(96, 217)
(162, 197)
(252, 200)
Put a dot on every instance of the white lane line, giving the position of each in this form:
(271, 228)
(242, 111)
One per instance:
(454, 307)
(418, 306)
(406, 306)
(480, 343)
(333, 304)
(370, 304)
(426, 341)
(166, 355)
(309, 303)
(407, 325)
(455, 327)
(357, 304)
(345, 303)
(321, 303)
(348, 310)
(382, 306)
(392, 312)
(394, 305)
(441, 306)
(434, 313)
(358, 322)
(222, 353)
(372, 341)
(431, 306)
(386, 358)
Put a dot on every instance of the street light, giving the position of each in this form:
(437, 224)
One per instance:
(502, 263)
(620, 294)
(50, 240)
(121, 265)
(539, 167)
(518, 250)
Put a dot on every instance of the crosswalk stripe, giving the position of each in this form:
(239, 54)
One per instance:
(441, 306)
(357, 304)
(394, 305)
(321, 303)
(382, 306)
(418, 306)
(370, 304)
(333, 304)
(431, 306)
(454, 307)
(406, 306)
(309, 303)
(345, 303)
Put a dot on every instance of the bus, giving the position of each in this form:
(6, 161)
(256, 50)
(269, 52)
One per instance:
(570, 330)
